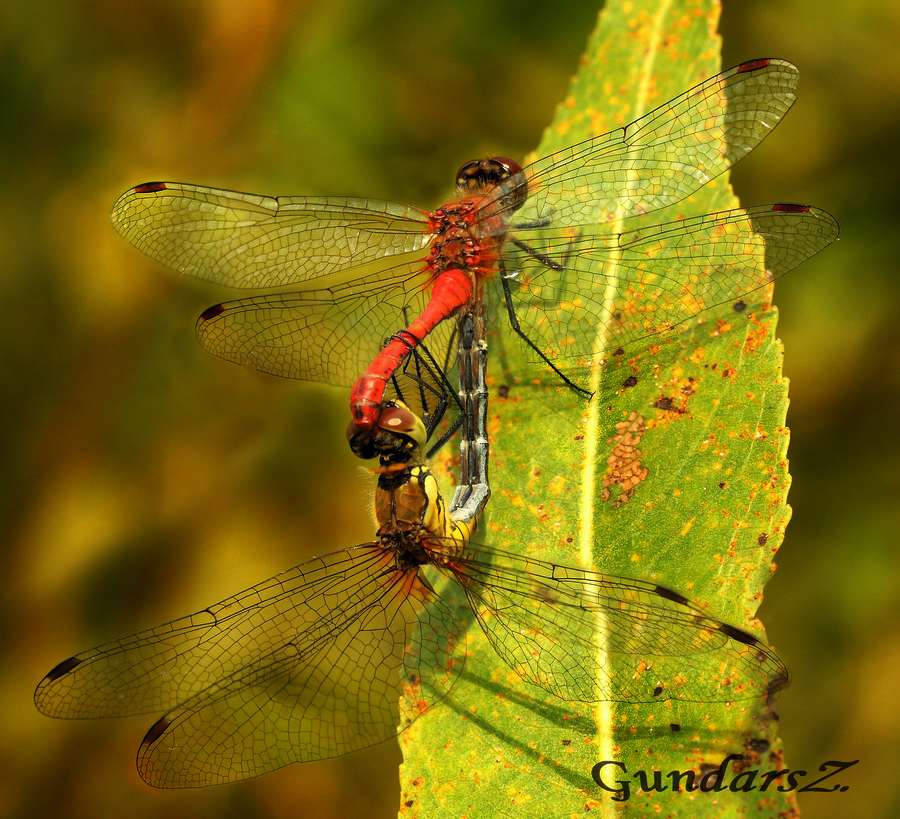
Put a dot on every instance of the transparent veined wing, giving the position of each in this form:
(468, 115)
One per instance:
(585, 636)
(306, 665)
(246, 240)
(329, 333)
(607, 291)
(660, 158)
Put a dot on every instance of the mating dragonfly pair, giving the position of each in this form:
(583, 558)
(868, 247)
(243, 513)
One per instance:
(310, 663)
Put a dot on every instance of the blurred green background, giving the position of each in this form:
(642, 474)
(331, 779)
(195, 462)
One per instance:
(143, 479)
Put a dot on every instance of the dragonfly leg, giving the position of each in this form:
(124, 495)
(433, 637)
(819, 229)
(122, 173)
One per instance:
(433, 390)
(514, 323)
(544, 260)
(558, 294)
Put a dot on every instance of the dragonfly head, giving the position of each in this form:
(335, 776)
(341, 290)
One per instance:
(483, 175)
(397, 440)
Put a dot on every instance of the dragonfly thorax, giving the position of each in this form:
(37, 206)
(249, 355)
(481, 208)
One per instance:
(456, 244)
(408, 548)
(414, 522)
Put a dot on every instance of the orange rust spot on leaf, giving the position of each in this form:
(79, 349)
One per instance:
(623, 466)
(722, 326)
(756, 338)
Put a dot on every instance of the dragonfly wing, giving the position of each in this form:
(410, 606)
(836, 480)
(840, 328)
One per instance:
(611, 291)
(660, 158)
(307, 665)
(249, 241)
(586, 636)
(155, 669)
(329, 334)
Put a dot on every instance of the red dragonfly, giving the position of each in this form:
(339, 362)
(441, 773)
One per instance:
(577, 275)
(310, 664)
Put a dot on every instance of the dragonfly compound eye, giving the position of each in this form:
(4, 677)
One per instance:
(362, 444)
(483, 175)
(398, 437)
(398, 419)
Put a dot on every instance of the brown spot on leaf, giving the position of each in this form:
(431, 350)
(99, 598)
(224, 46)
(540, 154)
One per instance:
(758, 746)
(667, 404)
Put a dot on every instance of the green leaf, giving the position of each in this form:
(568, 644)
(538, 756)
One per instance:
(706, 421)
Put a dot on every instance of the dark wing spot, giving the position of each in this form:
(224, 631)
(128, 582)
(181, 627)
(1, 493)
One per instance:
(630, 381)
(212, 312)
(674, 726)
(657, 691)
(156, 731)
(739, 306)
(752, 65)
(789, 207)
(62, 668)
(762, 540)
(738, 634)
(503, 391)
(150, 187)
(674, 596)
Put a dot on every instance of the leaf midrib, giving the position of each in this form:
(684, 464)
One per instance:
(603, 709)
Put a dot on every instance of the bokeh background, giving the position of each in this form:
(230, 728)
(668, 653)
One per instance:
(143, 479)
